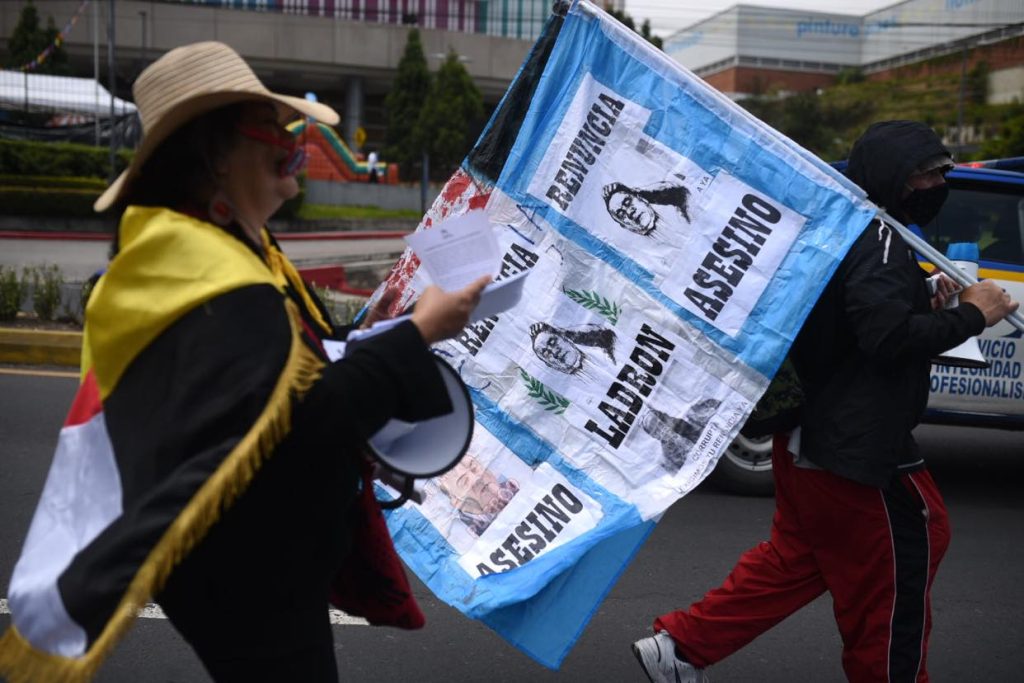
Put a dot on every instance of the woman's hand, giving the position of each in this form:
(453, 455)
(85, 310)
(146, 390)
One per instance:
(380, 309)
(440, 315)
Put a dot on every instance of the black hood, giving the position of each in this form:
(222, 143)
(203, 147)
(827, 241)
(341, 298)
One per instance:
(885, 156)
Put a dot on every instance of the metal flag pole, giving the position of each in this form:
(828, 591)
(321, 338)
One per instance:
(942, 263)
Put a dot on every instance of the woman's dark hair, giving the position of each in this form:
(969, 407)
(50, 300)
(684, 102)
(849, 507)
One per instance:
(182, 171)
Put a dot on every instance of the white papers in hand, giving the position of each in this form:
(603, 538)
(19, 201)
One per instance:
(334, 349)
(376, 328)
(457, 251)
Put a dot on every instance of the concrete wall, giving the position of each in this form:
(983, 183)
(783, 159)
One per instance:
(799, 36)
(920, 24)
(366, 194)
(707, 42)
(1003, 59)
(746, 80)
(808, 37)
(302, 52)
(768, 33)
(1006, 86)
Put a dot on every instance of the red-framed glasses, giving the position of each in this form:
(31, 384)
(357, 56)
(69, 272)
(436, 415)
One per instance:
(296, 158)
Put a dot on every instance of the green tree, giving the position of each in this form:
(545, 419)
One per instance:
(645, 31)
(451, 117)
(28, 39)
(802, 120)
(977, 84)
(811, 119)
(1010, 141)
(627, 21)
(404, 103)
(849, 74)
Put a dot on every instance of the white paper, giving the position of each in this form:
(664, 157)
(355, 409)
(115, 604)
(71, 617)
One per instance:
(494, 299)
(375, 329)
(458, 251)
(499, 296)
(334, 349)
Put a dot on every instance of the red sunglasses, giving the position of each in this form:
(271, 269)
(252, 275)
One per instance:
(296, 158)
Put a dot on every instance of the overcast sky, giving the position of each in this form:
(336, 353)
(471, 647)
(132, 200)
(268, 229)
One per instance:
(668, 16)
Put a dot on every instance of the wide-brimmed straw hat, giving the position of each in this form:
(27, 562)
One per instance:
(189, 81)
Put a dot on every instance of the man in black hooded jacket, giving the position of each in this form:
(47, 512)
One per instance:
(857, 513)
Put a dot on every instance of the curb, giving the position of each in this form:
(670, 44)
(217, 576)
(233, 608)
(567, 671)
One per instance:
(40, 347)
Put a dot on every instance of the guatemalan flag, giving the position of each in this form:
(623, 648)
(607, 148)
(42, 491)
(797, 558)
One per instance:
(676, 245)
(66, 522)
(121, 505)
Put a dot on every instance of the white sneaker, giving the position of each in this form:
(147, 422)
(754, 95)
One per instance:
(657, 655)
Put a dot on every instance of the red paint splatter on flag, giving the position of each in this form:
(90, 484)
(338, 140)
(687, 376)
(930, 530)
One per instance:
(460, 194)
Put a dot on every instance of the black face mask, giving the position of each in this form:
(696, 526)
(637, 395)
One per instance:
(923, 205)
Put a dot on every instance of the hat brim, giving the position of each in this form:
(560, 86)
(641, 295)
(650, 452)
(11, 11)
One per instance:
(188, 110)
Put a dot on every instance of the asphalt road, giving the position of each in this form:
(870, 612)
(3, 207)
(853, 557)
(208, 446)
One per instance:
(978, 633)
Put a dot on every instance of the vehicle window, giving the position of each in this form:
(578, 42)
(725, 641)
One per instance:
(992, 218)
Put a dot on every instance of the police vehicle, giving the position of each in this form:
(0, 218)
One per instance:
(985, 206)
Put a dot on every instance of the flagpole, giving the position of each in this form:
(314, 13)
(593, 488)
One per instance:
(942, 263)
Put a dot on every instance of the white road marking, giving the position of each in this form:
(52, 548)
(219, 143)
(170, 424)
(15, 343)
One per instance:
(153, 611)
(339, 617)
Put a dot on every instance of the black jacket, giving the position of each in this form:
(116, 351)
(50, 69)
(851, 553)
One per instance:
(864, 353)
(187, 399)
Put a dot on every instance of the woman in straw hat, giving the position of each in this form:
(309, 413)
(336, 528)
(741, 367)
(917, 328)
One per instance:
(211, 458)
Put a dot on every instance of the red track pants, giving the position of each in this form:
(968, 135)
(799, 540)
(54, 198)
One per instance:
(876, 551)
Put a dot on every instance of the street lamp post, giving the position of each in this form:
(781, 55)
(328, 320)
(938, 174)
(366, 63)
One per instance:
(960, 103)
(425, 182)
(112, 76)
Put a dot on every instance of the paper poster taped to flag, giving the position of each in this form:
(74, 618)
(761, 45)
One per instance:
(675, 245)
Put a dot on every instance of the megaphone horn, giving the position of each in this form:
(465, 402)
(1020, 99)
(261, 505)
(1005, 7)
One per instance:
(967, 355)
(407, 451)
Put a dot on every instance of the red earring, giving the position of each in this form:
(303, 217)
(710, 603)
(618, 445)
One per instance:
(220, 210)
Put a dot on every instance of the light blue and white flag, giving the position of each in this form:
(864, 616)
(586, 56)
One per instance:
(676, 245)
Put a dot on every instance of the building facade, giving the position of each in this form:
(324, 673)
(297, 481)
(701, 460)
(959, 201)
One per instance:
(747, 50)
(294, 46)
(520, 19)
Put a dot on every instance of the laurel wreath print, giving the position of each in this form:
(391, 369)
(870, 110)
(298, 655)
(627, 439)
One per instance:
(548, 399)
(595, 302)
